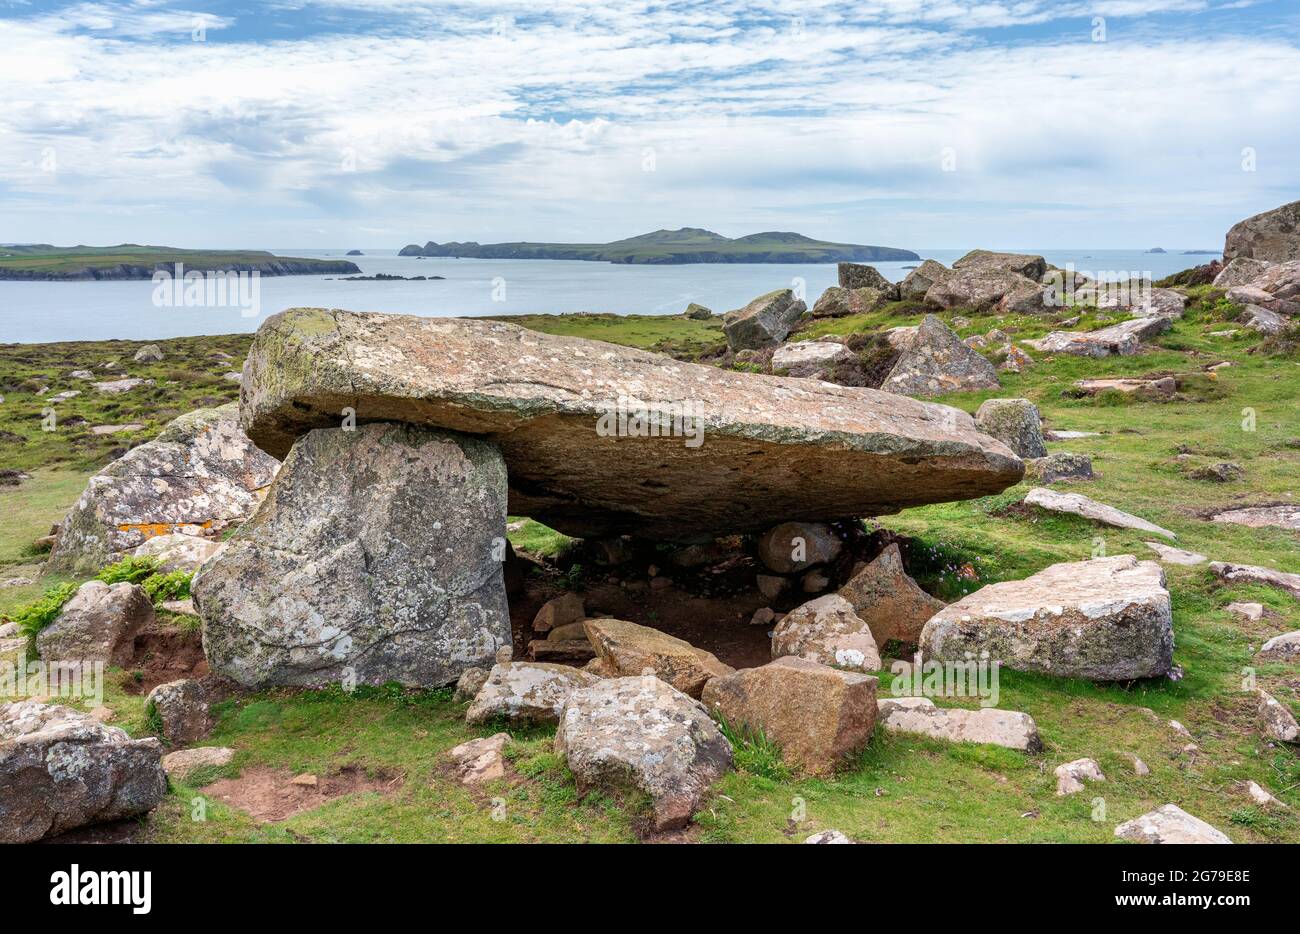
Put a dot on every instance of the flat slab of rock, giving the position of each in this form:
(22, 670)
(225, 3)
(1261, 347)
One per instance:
(817, 715)
(810, 358)
(1169, 824)
(937, 361)
(644, 735)
(1254, 574)
(827, 631)
(1122, 340)
(1170, 555)
(99, 624)
(1079, 505)
(1283, 648)
(541, 398)
(1163, 387)
(1261, 517)
(624, 649)
(376, 557)
(198, 477)
(480, 760)
(176, 552)
(526, 692)
(61, 769)
(1008, 728)
(1107, 619)
(888, 601)
(184, 762)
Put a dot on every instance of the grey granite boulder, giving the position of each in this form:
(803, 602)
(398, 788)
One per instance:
(99, 624)
(764, 321)
(377, 556)
(860, 275)
(1273, 236)
(1014, 422)
(1169, 824)
(937, 362)
(61, 769)
(919, 280)
(181, 707)
(526, 692)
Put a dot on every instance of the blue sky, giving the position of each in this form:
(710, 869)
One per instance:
(915, 123)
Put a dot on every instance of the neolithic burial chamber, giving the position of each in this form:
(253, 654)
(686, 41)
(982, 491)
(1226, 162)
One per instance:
(406, 441)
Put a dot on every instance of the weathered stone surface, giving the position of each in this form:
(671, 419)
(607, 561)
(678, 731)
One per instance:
(764, 321)
(377, 556)
(149, 353)
(938, 362)
(810, 358)
(1259, 517)
(624, 649)
(1273, 236)
(836, 302)
(1262, 320)
(1170, 555)
(1169, 824)
(817, 715)
(1079, 505)
(179, 765)
(1251, 611)
(1008, 728)
(471, 681)
(918, 281)
(1261, 797)
(1222, 472)
(645, 735)
(567, 608)
(697, 312)
(1023, 264)
(826, 630)
(794, 546)
(60, 769)
(177, 552)
(1276, 721)
(1158, 388)
(1014, 360)
(975, 287)
(888, 601)
(1283, 648)
(1123, 339)
(198, 477)
(1240, 271)
(1107, 619)
(1026, 298)
(480, 760)
(1253, 574)
(526, 692)
(862, 276)
(540, 398)
(99, 623)
(1014, 422)
(182, 708)
(828, 837)
(1059, 466)
(1071, 776)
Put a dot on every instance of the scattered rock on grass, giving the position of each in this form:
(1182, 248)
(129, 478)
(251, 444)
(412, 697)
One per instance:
(828, 836)
(1071, 776)
(1169, 824)
(1254, 574)
(99, 623)
(1276, 721)
(480, 760)
(1170, 555)
(182, 709)
(888, 600)
(526, 692)
(471, 681)
(1014, 422)
(1008, 728)
(1079, 505)
(1058, 467)
(1283, 648)
(938, 362)
(181, 764)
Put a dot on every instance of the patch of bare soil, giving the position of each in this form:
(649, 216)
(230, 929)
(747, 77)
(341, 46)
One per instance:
(270, 794)
(165, 653)
(128, 830)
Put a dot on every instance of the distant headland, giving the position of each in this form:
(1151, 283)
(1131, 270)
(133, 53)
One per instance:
(42, 262)
(669, 247)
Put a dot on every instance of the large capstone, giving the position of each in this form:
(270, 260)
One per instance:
(376, 557)
(568, 416)
(200, 476)
(1107, 619)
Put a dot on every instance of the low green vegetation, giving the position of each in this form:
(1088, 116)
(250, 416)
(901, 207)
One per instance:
(132, 261)
(901, 788)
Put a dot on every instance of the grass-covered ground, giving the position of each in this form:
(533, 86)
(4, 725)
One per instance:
(902, 788)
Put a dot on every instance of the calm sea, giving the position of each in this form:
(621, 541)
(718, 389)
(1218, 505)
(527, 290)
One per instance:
(36, 312)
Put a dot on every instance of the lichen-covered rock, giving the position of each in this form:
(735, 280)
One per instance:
(182, 763)
(526, 692)
(1071, 776)
(862, 276)
(826, 630)
(890, 602)
(1169, 824)
(1106, 619)
(200, 476)
(828, 837)
(795, 546)
(976, 287)
(149, 353)
(1239, 271)
(543, 398)
(1008, 728)
(99, 624)
(624, 648)
(1026, 298)
(817, 715)
(810, 358)
(376, 557)
(60, 769)
(837, 302)
(1123, 339)
(1058, 466)
(1283, 648)
(480, 760)
(938, 362)
(182, 709)
(918, 281)
(1079, 505)
(1272, 236)
(697, 312)
(764, 321)
(1276, 721)
(177, 552)
(1254, 574)
(1022, 264)
(644, 735)
(1014, 422)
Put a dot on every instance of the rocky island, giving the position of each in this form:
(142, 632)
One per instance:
(41, 262)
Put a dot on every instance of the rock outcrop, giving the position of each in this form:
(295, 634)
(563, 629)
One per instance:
(862, 276)
(377, 556)
(1254, 574)
(1107, 619)
(543, 400)
(817, 715)
(936, 362)
(764, 321)
(1273, 236)
(198, 477)
(61, 769)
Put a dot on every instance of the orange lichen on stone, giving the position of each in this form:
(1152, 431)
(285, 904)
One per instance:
(150, 529)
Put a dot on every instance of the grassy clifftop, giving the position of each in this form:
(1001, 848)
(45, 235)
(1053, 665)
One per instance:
(42, 262)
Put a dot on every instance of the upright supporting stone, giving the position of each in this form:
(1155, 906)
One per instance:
(377, 556)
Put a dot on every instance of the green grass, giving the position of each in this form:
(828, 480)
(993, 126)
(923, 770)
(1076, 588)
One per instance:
(900, 788)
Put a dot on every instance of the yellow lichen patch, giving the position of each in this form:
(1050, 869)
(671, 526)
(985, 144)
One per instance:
(150, 529)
